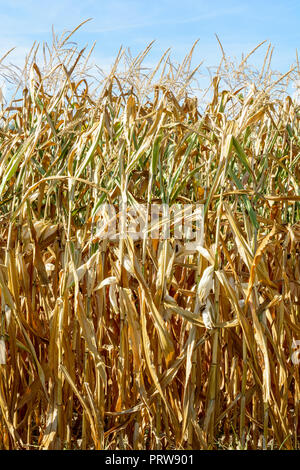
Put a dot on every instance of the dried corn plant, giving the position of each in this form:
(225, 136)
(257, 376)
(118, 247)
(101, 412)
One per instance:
(148, 344)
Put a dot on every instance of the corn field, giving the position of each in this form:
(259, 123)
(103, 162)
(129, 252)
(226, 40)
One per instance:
(149, 343)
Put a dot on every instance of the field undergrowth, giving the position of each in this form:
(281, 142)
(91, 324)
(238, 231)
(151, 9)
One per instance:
(149, 343)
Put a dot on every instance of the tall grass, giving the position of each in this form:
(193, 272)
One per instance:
(103, 343)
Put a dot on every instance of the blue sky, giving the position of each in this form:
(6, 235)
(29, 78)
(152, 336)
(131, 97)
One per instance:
(240, 25)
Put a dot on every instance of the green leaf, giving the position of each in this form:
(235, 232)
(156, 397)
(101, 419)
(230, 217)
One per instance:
(242, 156)
(182, 163)
(245, 198)
(14, 164)
(92, 149)
(155, 154)
(290, 131)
